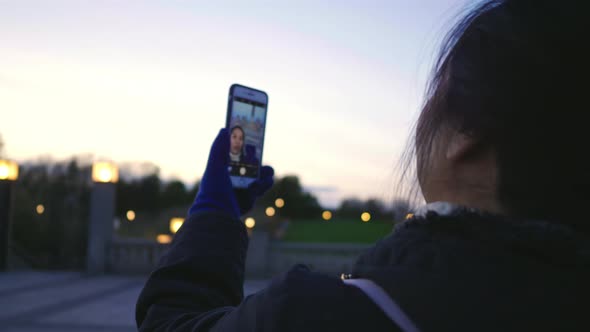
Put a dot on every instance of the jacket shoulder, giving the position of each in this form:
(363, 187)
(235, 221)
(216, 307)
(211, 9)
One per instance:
(303, 300)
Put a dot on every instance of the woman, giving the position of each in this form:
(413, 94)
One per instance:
(502, 245)
(237, 137)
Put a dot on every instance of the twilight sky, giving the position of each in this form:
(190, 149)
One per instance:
(148, 80)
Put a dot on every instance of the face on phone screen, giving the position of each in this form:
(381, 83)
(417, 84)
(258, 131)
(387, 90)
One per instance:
(246, 127)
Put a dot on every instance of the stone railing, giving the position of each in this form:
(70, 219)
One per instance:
(332, 258)
(129, 255)
(265, 257)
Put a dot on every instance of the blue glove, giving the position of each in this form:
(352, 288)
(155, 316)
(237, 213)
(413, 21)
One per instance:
(216, 192)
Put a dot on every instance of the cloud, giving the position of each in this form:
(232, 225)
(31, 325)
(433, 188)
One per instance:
(321, 189)
(328, 196)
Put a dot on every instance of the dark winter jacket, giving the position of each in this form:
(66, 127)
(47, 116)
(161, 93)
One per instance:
(457, 271)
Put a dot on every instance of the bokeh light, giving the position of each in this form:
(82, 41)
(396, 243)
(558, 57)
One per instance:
(3, 172)
(164, 238)
(365, 216)
(409, 215)
(270, 211)
(105, 172)
(250, 222)
(8, 170)
(175, 224)
(40, 209)
(279, 202)
(327, 215)
(130, 215)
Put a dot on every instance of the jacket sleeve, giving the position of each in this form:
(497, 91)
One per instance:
(198, 286)
(199, 280)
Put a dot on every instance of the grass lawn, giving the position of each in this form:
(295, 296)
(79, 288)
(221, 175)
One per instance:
(336, 230)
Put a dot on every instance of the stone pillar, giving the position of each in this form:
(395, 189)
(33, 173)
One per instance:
(100, 228)
(6, 189)
(257, 261)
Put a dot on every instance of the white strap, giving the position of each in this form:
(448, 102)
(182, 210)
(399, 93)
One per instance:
(385, 302)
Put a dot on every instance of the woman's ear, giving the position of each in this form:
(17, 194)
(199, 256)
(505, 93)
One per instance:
(461, 146)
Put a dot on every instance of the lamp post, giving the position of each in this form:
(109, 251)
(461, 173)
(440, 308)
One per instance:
(8, 174)
(102, 211)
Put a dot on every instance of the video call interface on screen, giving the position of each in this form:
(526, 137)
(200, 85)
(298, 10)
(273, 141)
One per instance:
(246, 135)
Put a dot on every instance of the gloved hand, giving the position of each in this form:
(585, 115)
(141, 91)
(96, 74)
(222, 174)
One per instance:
(216, 192)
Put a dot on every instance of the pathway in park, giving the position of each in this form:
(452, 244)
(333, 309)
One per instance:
(70, 301)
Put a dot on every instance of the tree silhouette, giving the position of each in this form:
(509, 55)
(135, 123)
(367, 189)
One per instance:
(56, 237)
(298, 203)
(174, 194)
(350, 208)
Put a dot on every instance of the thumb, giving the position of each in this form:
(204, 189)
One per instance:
(219, 154)
(260, 186)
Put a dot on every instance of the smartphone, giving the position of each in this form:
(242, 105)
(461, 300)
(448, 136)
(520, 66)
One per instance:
(246, 123)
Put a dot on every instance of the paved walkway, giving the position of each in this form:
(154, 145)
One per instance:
(70, 301)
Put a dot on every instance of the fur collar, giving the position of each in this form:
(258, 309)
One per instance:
(438, 229)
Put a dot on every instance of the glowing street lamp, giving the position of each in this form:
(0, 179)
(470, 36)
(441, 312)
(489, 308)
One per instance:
(270, 211)
(279, 202)
(175, 224)
(8, 174)
(8, 170)
(326, 215)
(102, 213)
(105, 172)
(250, 222)
(365, 216)
(40, 209)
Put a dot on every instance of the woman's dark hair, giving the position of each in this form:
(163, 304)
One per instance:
(237, 127)
(514, 74)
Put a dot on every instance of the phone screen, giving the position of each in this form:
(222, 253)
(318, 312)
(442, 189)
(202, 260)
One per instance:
(246, 124)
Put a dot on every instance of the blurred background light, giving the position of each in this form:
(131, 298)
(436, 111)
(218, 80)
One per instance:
(105, 172)
(279, 202)
(163, 238)
(40, 209)
(175, 224)
(250, 222)
(366, 216)
(8, 170)
(130, 215)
